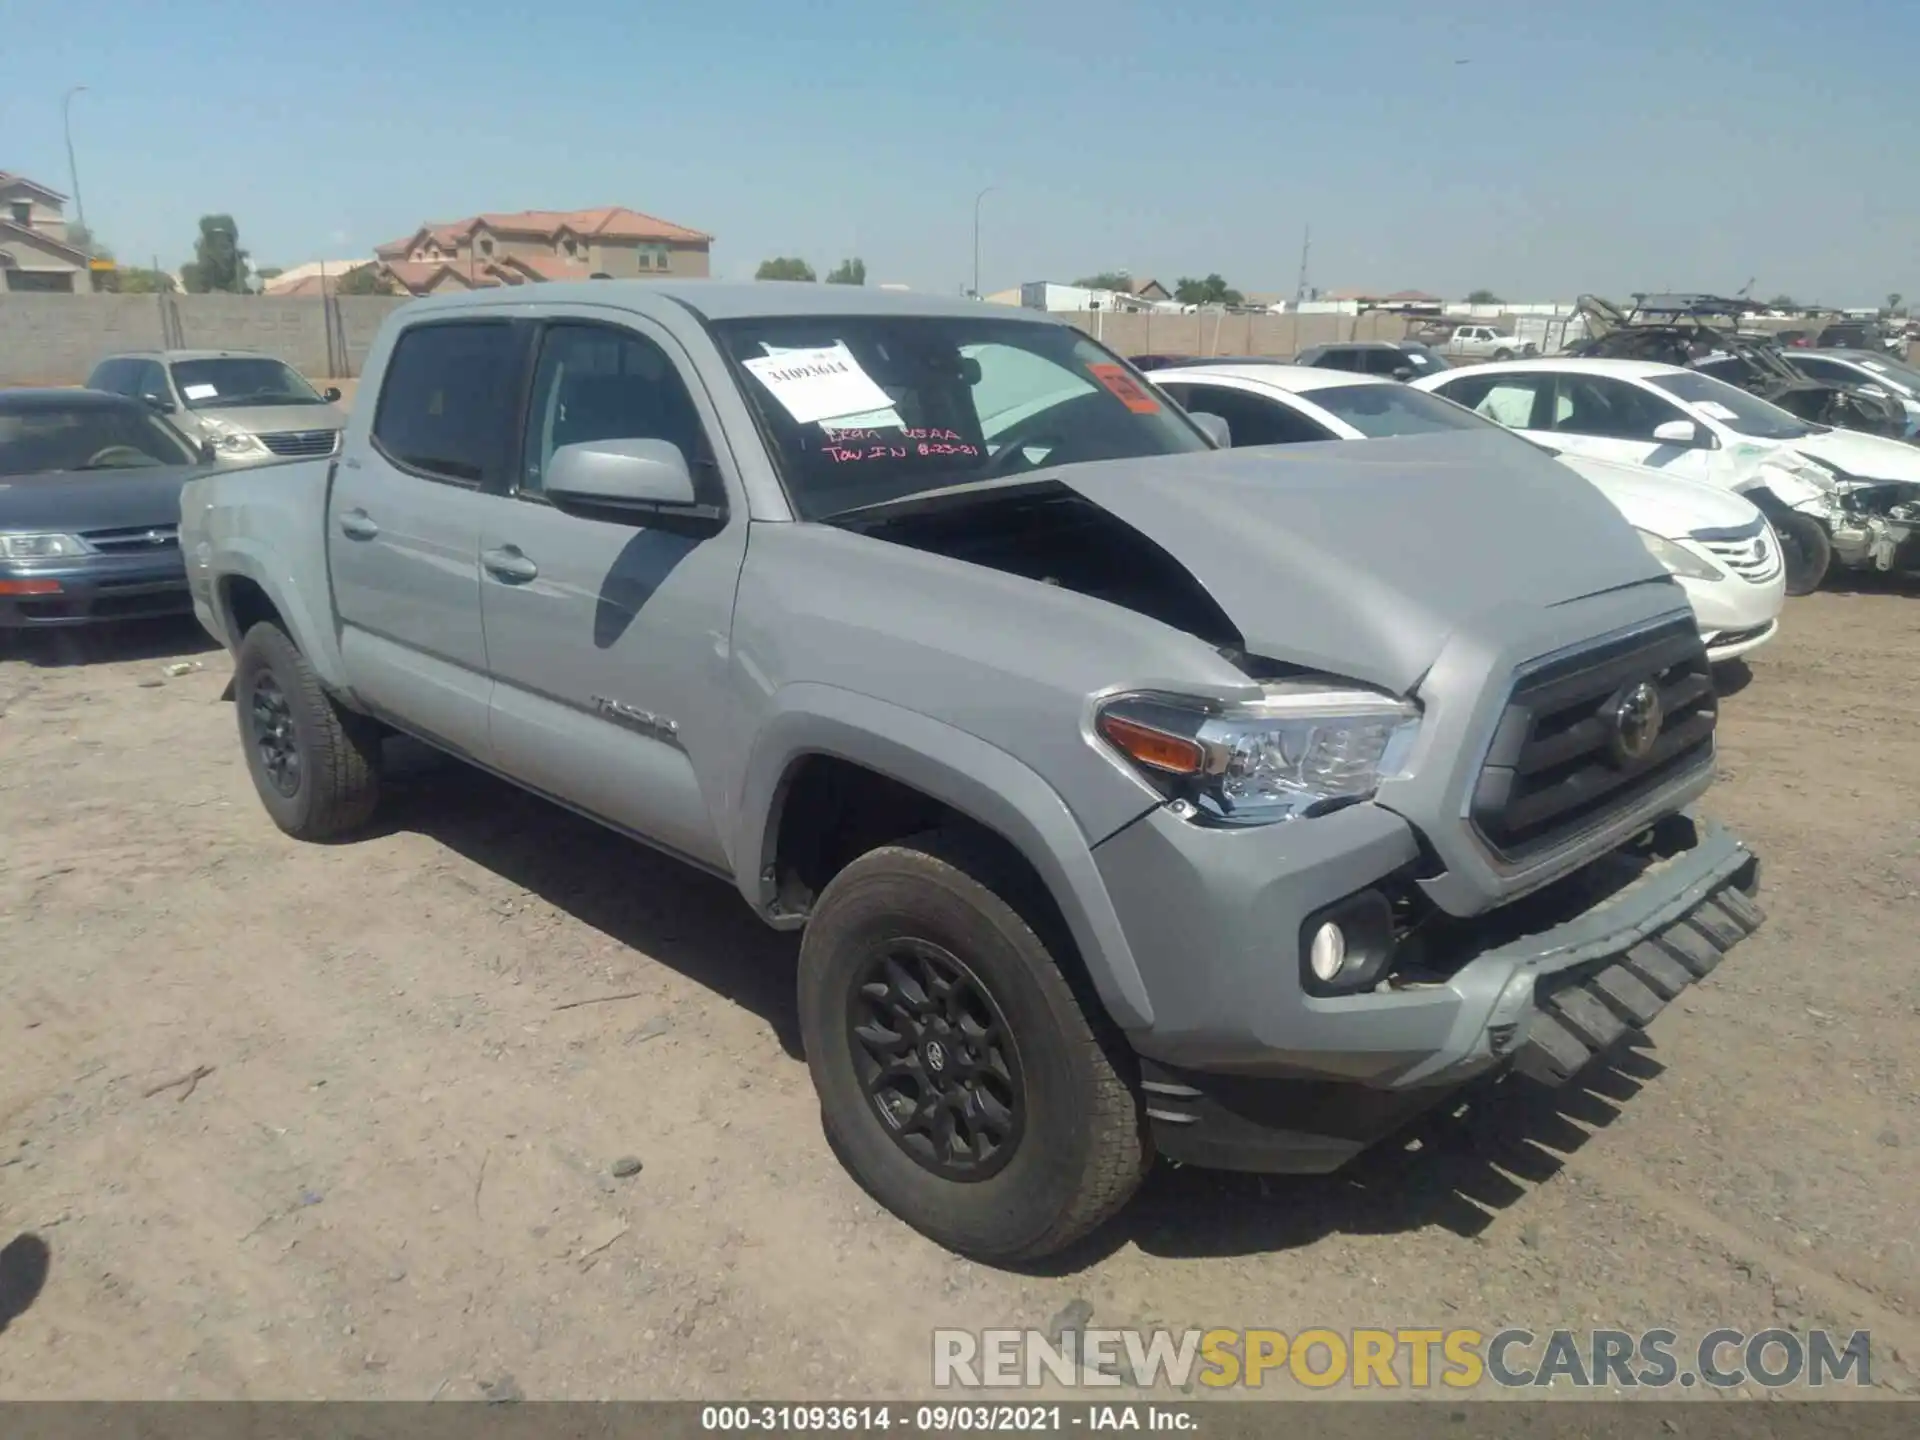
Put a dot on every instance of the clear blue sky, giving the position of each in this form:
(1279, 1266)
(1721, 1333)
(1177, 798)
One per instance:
(1691, 143)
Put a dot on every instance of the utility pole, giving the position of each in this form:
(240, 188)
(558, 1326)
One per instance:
(976, 237)
(1306, 244)
(73, 170)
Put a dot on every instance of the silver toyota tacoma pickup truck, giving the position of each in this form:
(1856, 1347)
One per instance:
(1135, 795)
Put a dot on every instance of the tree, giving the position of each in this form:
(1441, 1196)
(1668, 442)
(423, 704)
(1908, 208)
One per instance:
(847, 272)
(219, 265)
(81, 239)
(138, 280)
(1894, 306)
(1783, 302)
(1211, 291)
(1483, 297)
(364, 280)
(1107, 280)
(270, 273)
(785, 268)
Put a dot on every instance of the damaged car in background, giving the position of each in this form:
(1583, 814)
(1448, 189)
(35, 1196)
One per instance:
(1698, 330)
(1132, 796)
(1834, 497)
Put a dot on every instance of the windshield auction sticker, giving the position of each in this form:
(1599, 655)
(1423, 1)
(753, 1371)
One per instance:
(821, 384)
(1125, 388)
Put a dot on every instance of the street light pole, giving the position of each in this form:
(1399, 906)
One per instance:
(976, 237)
(73, 170)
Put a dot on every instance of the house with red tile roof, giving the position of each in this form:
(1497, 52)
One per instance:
(533, 246)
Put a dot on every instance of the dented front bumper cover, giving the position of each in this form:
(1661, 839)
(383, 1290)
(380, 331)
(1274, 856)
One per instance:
(1545, 1004)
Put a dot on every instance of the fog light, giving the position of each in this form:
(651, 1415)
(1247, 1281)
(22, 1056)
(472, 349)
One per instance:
(1329, 951)
(1347, 946)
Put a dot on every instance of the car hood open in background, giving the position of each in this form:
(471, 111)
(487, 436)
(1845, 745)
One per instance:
(65, 501)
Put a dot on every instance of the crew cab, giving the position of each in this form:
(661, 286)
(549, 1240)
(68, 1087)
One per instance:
(1133, 795)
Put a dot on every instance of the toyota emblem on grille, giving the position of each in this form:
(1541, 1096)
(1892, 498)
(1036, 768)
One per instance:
(1635, 715)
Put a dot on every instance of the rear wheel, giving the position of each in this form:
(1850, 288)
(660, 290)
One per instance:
(315, 764)
(1805, 550)
(959, 1078)
(1503, 354)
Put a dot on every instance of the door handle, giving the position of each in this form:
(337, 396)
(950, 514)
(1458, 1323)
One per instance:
(509, 565)
(358, 525)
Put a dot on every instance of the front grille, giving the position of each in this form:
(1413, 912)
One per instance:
(134, 539)
(1559, 764)
(1752, 552)
(301, 443)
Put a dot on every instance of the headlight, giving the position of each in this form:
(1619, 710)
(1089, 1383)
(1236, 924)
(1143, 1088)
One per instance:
(239, 442)
(1301, 750)
(39, 547)
(1678, 559)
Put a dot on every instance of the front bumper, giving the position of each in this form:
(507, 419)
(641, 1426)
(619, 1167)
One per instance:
(97, 590)
(1725, 645)
(1245, 1070)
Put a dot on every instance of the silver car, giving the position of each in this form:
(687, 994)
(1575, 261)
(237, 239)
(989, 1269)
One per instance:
(247, 407)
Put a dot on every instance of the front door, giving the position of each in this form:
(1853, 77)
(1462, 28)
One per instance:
(609, 640)
(1613, 419)
(403, 528)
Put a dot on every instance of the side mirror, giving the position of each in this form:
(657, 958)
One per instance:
(1214, 427)
(1677, 432)
(159, 404)
(632, 480)
(1403, 372)
(209, 455)
(331, 394)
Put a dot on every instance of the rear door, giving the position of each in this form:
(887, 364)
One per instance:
(404, 521)
(608, 638)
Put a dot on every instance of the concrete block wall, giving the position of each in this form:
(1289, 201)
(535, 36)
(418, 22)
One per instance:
(57, 339)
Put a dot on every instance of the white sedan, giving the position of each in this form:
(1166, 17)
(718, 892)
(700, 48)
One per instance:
(1716, 544)
(1684, 423)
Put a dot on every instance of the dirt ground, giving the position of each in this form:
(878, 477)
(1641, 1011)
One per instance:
(393, 1180)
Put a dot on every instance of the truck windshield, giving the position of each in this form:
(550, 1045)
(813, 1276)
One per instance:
(1739, 410)
(234, 380)
(862, 410)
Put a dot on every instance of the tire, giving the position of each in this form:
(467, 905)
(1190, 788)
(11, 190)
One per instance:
(1805, 550)
(333, 784)
(1077, 1147)
(1503, 354)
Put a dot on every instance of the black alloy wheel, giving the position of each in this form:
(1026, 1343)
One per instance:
(273, 734)
(936, 1059)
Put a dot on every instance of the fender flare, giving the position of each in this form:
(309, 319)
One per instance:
(979, 780)
(243, 557)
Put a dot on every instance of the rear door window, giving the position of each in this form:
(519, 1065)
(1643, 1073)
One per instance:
(1251, 419)
(446, 404)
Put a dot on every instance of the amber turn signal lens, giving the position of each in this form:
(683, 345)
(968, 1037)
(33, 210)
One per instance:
(29, 587)
(1147, 746)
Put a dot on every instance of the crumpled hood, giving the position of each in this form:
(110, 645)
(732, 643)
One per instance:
(1862, 456)
(1658, 500)
(1361, 559)
(69, 500)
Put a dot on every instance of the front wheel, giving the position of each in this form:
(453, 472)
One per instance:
(315, 764)
(1503, 354)
(1805, 550)
(959, 1078)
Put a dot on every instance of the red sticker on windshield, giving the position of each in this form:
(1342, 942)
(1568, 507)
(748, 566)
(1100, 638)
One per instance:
(1125, 388)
